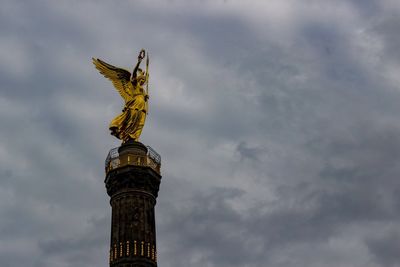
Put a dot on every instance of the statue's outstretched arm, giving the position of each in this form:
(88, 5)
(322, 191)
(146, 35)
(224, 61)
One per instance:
(140, 57)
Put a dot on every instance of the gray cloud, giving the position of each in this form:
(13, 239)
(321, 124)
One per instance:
(277, 123)
(384, 248)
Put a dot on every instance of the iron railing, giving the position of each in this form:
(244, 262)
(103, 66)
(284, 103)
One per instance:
(152, 159)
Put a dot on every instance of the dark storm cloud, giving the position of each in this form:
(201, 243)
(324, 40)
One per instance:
(386, 27)
(211, 232)
(77, 250)
(277, 123)
(385, 248)
(247, 152)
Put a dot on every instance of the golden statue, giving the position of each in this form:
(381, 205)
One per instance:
(129, 124)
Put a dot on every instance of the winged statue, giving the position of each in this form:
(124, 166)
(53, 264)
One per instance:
(129, 124)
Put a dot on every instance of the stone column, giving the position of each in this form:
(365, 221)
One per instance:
(133, 187)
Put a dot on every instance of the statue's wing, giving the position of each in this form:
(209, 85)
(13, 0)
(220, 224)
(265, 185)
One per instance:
(119, 77)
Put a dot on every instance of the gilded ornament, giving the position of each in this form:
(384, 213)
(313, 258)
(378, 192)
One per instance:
(129, 124)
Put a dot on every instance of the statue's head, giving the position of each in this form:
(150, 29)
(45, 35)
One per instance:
(141, 77)
(142, 81)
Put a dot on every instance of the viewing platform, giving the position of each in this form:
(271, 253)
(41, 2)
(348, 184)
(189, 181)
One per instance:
(117, 160)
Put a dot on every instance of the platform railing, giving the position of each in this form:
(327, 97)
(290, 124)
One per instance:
(152, 159)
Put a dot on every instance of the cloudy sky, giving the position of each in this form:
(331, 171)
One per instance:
(277, 122)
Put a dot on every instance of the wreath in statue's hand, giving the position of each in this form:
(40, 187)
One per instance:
(142, 54)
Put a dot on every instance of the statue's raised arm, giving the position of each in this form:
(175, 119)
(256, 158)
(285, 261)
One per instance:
(129, 124)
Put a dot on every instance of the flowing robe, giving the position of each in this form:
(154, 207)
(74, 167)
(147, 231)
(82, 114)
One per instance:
(129, 124)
